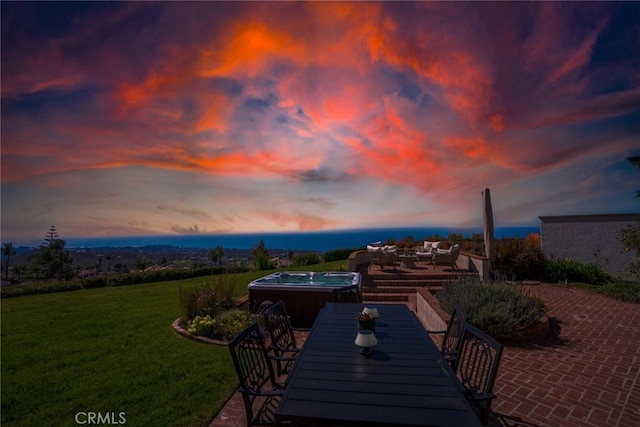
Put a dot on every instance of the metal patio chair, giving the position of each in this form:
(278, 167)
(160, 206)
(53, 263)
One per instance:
(347, 294)
(452, 336)
(478, 364)
(260, 391)
(283, 339)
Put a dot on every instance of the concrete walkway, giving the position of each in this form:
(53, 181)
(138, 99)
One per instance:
(586, 373)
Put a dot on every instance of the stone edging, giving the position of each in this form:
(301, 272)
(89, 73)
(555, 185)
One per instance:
(182, 331)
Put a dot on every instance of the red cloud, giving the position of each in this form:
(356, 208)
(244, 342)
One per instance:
(334, 71)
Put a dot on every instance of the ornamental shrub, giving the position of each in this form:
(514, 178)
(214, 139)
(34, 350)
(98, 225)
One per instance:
(495, 307)
(569, 270)
(261, 262)
(519, 259)
(630, 238)
(224, 326)
(204, 326)
(232, 322)
(208, 300)
(337, 254)
(307, 259)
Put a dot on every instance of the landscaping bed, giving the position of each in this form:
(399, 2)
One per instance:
(434, 317)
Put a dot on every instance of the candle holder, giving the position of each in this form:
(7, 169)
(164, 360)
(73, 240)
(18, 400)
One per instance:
(366, 339)
(372, 311)
(366, 321)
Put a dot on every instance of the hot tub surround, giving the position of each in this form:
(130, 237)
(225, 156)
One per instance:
(303, 293)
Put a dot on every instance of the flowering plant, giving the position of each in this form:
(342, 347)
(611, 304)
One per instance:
(364, 316)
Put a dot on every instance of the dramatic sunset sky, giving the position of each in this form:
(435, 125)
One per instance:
(142, 118)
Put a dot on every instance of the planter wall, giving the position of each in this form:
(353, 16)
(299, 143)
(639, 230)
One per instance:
(434, 318)
(428, 310)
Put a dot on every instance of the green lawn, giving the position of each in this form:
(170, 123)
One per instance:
(112, 350)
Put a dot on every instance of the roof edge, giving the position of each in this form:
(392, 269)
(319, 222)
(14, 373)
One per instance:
(591, 218)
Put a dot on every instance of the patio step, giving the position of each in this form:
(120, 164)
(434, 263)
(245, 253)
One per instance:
(415, 283)
(377, 289)
(386, 297)
(400, 285)
(400, 276)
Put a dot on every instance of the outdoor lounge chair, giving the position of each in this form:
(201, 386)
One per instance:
(260, 391)
(478, 363)
(453, 336)
(384, 256)
(426, 250)
(347, 294)
(283, 339)
(448, 257)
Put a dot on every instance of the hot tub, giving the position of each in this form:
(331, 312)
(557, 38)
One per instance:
(303, 293)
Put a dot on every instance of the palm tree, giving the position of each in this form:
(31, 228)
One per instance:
(7, 251)
(216, 254)
(19, 270)
(108, 258)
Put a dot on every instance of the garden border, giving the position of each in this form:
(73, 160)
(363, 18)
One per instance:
(182, 331)
(241, 302)
(433, 317)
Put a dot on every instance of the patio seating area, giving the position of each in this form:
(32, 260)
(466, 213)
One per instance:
(586, 373)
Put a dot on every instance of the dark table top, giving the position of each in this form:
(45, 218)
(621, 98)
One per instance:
(405, 382)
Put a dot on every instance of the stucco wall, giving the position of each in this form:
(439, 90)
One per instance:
(589, 238)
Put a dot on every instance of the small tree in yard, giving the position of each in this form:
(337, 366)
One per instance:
(261, 260)
(19, 271)
(52, 260)
(8, 252)
(630, 238)
(216, 254)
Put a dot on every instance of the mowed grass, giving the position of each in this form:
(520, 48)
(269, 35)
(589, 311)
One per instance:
(112, 350)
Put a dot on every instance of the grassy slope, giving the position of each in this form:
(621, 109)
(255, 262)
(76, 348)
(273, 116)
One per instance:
(111, 350)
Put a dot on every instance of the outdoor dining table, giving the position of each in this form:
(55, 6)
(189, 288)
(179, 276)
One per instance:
(406, 382)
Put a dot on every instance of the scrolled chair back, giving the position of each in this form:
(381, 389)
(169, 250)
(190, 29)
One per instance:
(347, 294)
(260, 391)
(478, 363)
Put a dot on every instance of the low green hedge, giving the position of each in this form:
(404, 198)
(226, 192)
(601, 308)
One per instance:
(126, 279)
(569, 270)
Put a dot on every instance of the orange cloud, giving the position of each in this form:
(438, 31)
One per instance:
(248, 50)
(473, 148)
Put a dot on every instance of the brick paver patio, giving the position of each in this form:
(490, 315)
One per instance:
(586, 373)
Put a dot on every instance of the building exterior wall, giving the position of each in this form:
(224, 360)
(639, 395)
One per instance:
(589, 239)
